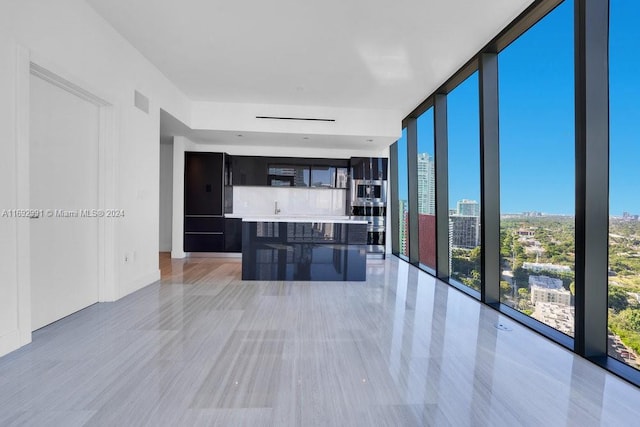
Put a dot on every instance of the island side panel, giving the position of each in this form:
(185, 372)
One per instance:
(303, 251)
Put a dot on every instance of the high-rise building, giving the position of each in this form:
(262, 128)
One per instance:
(464, 225)
(426, 185)
(403, 229)
(468, 207)
(464, 231)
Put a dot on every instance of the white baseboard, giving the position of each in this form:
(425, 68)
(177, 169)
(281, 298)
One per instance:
(178, 254)
(237, 255)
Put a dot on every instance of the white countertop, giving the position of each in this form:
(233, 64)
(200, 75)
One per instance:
(295, 218)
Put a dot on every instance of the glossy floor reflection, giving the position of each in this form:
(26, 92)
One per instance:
(205, 348)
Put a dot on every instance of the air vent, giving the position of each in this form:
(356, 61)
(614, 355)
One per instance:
(307, 119)
(141, 102)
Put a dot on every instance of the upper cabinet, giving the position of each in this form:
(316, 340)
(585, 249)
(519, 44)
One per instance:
(249, 170)
(329, 176)
(288, 175)
(289, 172)
(369, 168)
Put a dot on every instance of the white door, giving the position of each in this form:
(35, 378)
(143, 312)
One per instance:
(63, 173)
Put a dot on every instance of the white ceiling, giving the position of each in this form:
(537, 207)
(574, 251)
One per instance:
(374, 54)
(170, 127)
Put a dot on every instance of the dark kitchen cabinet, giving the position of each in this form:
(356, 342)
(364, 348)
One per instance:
(203, 178)
(379, 168)
(323, 177)
(288, 175)
(203, 242)
(289, 171)
(360, 168)
(249, 170)
(369, 168)
(204, 224)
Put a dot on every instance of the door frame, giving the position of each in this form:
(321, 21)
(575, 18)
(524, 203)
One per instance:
(27, 64)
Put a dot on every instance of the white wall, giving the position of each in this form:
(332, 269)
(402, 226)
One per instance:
(69, 38)
(10, 337)
(180, 145)
(166, 196)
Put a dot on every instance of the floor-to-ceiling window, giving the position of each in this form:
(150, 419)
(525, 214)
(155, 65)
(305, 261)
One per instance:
(624, 183)
(537, 171)
(403, 196)
(426, 180)
(464, 182)
(538, 190)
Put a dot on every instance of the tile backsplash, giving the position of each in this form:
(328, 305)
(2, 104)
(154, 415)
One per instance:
(291, 201)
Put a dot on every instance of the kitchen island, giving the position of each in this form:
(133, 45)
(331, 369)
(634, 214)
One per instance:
(304, 248)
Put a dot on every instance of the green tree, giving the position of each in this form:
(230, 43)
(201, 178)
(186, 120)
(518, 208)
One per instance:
(521, 276)
(505, 288)
(630, 319)
(626, 325)
(618, 299)
(473, 281)
(505, 244)
(474, 257)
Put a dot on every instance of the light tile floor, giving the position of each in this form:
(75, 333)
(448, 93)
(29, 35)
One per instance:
(203, 347)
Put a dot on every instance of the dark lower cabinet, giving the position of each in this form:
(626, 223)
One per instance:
(213, 234)
(203, 242)
(203, 234)
(201, 224)
(233, 234)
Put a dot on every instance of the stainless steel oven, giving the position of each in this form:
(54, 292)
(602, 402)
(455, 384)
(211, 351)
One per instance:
(364, 191)
(368, 200)
(369, 203)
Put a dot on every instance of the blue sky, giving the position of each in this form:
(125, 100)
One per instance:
(536, 95)
(624, 93)
(537, 119)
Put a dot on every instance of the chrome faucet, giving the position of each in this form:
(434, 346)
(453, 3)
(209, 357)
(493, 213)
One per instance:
(276, 210)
